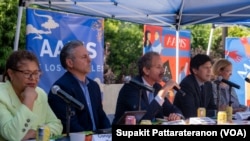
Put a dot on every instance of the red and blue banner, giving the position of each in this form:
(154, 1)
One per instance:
(163, 40)
(48, 31)
(237, 51)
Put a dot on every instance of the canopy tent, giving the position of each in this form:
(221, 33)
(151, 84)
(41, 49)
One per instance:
(171, 13)
(174, 13)
(240, 23)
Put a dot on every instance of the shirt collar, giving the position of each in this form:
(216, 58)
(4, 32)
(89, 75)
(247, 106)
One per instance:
(82, 82)
(199, 83)
(145, 82)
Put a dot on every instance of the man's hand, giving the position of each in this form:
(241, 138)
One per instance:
(173, 116)
(168, 86)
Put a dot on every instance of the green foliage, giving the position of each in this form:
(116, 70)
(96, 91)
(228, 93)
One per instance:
(200, 37)
(125, 40)
(8, 23)
(237, 31)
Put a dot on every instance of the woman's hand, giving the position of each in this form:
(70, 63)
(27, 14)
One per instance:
(242, 109)
(29, 96)
(31, 134)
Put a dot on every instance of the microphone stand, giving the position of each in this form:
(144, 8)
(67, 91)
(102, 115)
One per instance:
(69, 113)
(140, 95)
(229, 108)
(230, 102)
(218, 95)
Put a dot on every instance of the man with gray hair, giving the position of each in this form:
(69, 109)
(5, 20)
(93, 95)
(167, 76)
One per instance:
(74, 57)
(156, 104)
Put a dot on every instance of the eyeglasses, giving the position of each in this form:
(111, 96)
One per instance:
(158, 67)
(27, 74)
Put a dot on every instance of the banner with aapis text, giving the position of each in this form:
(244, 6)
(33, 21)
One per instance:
(48, 31)
(163, 40)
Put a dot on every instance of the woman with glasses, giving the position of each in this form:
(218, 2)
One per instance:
(23, 105)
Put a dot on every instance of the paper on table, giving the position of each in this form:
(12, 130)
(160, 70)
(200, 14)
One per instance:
(242, 115)
(175, 122)
(201, 120)
(102, 137)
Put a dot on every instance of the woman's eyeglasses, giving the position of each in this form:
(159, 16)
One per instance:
(27, 74)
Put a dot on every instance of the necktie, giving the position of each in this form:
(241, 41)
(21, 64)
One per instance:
(150, 97)
(202, 95)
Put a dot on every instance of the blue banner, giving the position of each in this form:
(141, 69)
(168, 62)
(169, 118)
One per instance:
(48, 31)
(237, 51)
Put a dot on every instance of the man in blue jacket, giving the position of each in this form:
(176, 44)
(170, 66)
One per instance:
(74, 57)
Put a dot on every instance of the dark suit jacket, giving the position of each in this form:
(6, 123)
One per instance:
(81, 120)
(191, 101)
(128, 100)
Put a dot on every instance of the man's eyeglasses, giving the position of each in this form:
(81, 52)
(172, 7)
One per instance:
(27, 74)
(158, 67)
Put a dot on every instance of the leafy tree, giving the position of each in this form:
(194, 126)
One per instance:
(239, 31)
(200, 37)
(8, 22)
(125, 40)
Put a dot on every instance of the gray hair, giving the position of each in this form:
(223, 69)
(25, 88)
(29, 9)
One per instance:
(67, 51)
(146, 61)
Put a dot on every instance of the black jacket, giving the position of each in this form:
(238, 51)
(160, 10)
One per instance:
(191, 101)
(129, 97)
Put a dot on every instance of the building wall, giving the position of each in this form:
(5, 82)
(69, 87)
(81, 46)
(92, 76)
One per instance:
(110, 94)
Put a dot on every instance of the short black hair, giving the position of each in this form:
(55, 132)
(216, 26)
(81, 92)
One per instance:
(199, 60)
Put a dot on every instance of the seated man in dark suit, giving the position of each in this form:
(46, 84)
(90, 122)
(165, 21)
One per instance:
(75, 59)
(156, 104)
(196, 96)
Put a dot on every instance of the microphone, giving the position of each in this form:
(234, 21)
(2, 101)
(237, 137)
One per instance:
(247, 79)
(228, 82)
(128, 79)
(66, 97)
(166, 79)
